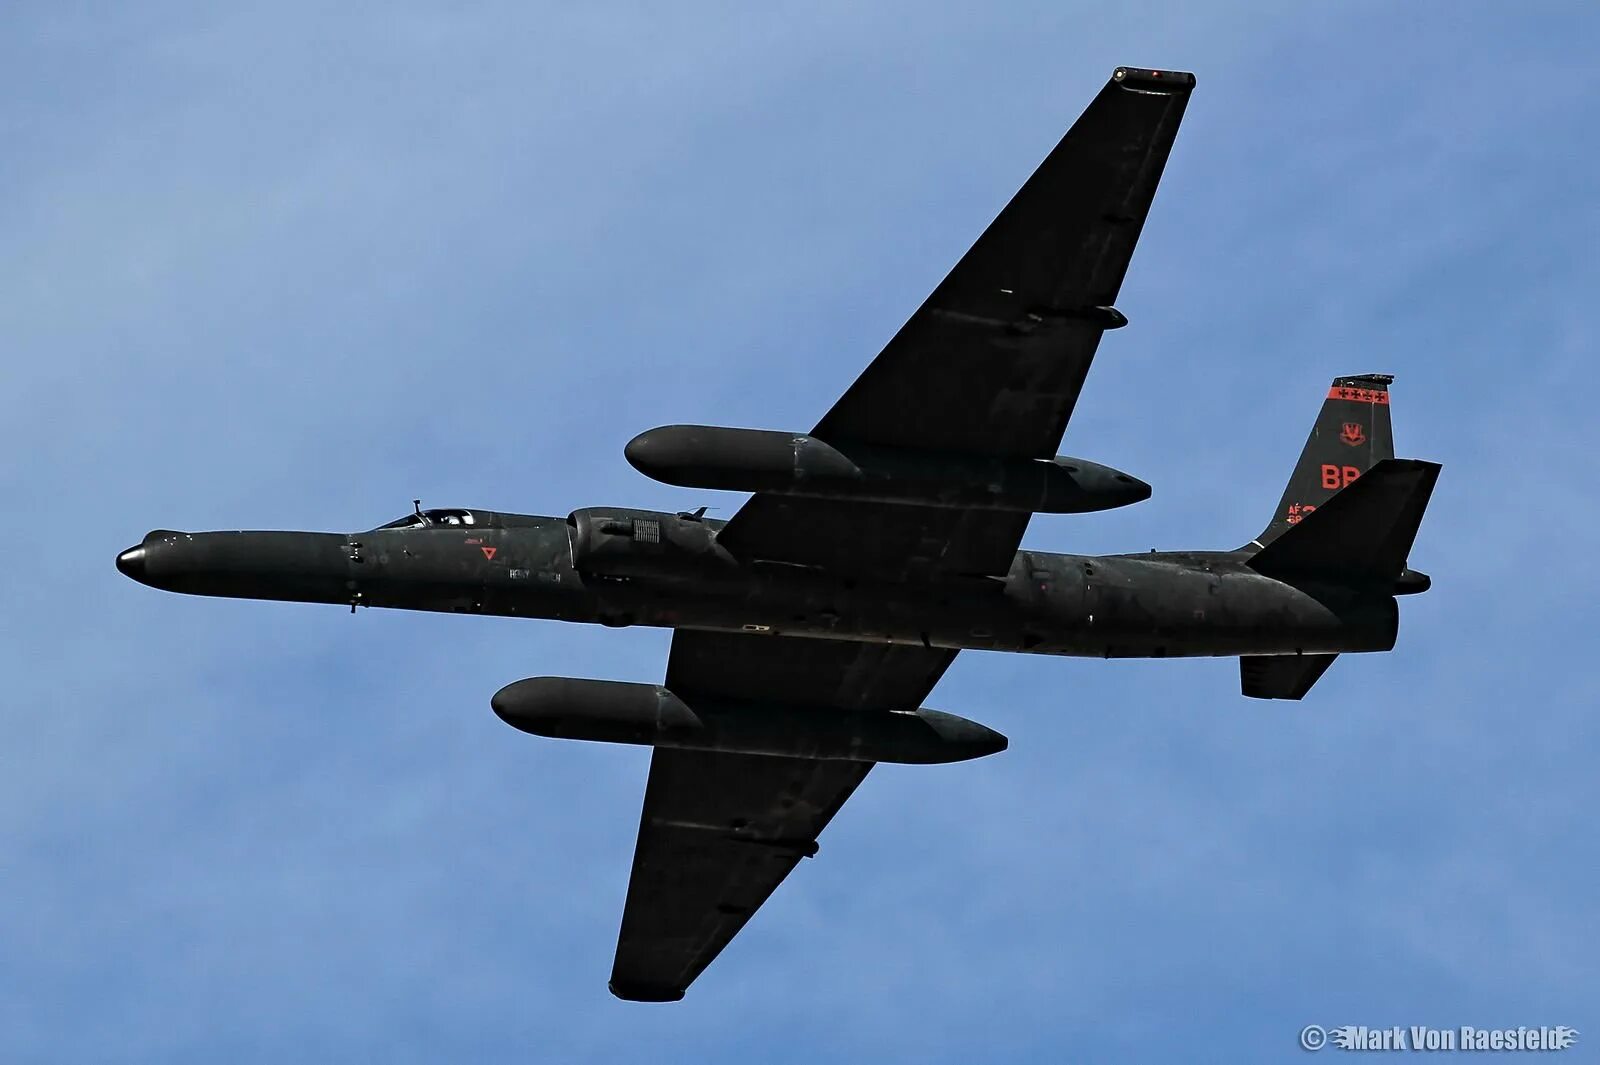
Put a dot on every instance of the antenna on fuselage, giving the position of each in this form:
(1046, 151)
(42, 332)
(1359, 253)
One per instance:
(416, 507)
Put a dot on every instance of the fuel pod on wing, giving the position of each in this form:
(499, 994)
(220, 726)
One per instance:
(618, 712)
(761, 460)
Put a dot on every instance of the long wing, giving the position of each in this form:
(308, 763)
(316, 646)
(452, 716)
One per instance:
(719, 832)
(993, 361)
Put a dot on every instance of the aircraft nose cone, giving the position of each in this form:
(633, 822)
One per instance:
(131, 563)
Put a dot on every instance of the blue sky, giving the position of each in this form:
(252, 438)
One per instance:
(266, 267)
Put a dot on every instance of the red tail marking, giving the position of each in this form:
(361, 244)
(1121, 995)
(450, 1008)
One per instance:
(1334, 477)
(1298, 511)
(1359, 395)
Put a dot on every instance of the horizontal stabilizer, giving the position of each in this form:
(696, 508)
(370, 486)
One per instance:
(1281, 676)
(1363, 533)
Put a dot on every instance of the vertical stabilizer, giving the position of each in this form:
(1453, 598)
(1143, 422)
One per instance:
(1352, 434)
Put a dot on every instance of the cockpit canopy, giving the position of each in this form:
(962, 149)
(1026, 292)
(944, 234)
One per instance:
(439, 516)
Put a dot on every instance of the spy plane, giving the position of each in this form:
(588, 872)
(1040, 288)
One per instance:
(809, 628)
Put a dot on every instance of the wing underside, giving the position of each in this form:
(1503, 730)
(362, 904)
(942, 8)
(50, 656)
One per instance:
(993, 361)
(990, 365)
(719, 832)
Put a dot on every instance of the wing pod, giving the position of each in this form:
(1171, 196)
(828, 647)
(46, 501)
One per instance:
(617, 712)
(758, 460)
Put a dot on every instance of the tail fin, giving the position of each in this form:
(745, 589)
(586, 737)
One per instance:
(1281, 676)
(1360, 536)
(1351, 435)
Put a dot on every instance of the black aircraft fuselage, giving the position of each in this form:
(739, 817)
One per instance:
(632, 567)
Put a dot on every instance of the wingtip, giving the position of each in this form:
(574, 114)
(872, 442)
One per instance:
(1148, 79)
(636, 992)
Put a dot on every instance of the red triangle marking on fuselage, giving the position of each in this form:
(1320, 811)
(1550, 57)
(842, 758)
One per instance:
(488, 552)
